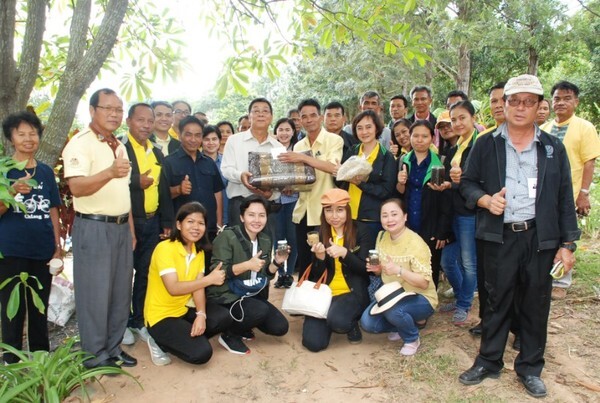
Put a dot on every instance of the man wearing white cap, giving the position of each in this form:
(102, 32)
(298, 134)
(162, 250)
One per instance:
(519, 178)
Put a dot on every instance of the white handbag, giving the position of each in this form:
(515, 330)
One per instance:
(307, 297)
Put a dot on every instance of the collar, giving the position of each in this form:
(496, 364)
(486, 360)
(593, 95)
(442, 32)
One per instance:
(425, 118)
(181, 249)
(566, 122)
(503, 132)
(247, 136)
(137, 145)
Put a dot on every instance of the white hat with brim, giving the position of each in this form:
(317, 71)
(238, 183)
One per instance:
(523, 83)
(388, 296)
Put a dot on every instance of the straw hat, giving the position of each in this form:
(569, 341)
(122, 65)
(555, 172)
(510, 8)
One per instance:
(387, 296)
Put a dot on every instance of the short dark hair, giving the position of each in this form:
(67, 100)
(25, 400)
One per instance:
(242, 118)
(458, 93)
(208, 129)
(289, 121)
(161, 103)
(262, 100)
(225, 122)
(14, 120)
(373, 116)
(398, 202)
(465, 105)
(498, 86)
(310, 102)
(565, 86)
(292, 111)
(402, 121)
(133, 107)
(181, 101)
(254, 199)
(401, 97)
(418, 88)
(335, 105)
(188, 120)
(370, 94)
(95, 98)
(184, 211)
(424, 123)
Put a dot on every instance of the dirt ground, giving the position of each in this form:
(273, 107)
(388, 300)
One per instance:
(280, 369)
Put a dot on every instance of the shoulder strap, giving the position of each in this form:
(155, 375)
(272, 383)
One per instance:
(243, 241)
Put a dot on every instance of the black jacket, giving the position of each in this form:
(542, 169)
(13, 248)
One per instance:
(354, 266)
(380, 185)
(173, 144)
(554, 206)
(436, 212)
(165, 204)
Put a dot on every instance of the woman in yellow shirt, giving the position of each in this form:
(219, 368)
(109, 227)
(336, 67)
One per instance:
(404, 258)
(342, 250)
(176, 275)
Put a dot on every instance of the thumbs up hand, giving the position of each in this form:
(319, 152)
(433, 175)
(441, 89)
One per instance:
(455, 172)
(403, 175)
(498, 202)
(256, 263)
(186, 186)
(146, 180)
(120, 166)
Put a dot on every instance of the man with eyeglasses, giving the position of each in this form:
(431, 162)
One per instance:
(181, 109)
(98, 173)
(234, 164)
(519, 179)
(583, 147)
(163, 113)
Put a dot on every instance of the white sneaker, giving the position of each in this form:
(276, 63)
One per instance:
(394, 336)
(449, 293)
(409, 349)
(128, 338)
(158, 356)
(142, 332)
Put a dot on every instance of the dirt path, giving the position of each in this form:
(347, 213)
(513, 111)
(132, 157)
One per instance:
(280, 369)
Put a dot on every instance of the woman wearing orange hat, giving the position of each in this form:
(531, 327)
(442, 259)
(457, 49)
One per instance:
(342, 251)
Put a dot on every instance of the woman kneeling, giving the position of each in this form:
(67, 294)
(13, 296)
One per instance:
(405, 258)
(177, 274)
(344, 259)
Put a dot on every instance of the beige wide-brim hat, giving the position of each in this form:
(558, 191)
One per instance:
(388, 296)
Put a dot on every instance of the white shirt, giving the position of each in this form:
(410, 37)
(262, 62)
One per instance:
(235, 160)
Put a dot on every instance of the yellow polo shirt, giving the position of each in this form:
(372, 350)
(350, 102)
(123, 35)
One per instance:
(327, 147)
(338, 283)
(582, 144)
(173, 133)
(354, 191)
(147, 161)
(86, 155)
(170, 257)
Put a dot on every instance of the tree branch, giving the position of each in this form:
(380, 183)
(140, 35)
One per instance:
(7, 62)
(589, 10)
(78, 32)
(29, 61)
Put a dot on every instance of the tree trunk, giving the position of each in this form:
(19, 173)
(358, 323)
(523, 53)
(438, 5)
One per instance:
(81, 69)
(463, 78)
(8, 69)
(534, 60)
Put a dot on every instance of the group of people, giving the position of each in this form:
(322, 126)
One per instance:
(170, 208)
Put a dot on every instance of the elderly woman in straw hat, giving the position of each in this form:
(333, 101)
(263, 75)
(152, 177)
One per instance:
(342, 250)
(408, 296)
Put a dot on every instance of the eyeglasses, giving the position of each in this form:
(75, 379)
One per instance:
(180, 111)
(527, 102)
(111, 109)
(260, 111)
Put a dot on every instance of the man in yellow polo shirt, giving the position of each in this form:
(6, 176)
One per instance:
(583, 147)
(151, 207)
(98, 172)
(327, 153)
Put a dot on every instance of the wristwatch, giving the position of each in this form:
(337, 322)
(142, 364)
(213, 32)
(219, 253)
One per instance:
(569, 246)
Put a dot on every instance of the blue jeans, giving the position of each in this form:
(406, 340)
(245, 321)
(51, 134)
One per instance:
(285, 229)
(459, 261)
(401, 318)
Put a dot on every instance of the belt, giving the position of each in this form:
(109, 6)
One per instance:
(119, 219)
(150, 215)
(520, 226)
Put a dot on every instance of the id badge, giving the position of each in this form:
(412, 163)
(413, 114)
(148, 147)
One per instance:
(532, 187)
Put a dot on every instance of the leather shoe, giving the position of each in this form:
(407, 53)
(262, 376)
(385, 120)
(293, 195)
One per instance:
(476, 374)
(476, 330)
(110, 363)
(517, 343)
(533, 385)
(124, 360)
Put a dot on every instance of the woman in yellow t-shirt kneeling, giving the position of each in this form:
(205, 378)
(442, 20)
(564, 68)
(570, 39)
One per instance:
(176, 275)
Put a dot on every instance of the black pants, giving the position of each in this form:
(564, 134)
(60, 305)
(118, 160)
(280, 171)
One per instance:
(304, 253)
(516, 273)
(148, 236)
(257, 312)
(436, 259)
(37, 323)
(344, 313)
(173, 334)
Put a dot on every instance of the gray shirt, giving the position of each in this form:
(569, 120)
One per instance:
(521, 178)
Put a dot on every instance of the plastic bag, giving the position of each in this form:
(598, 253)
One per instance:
(61, 304)
(353, 167)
